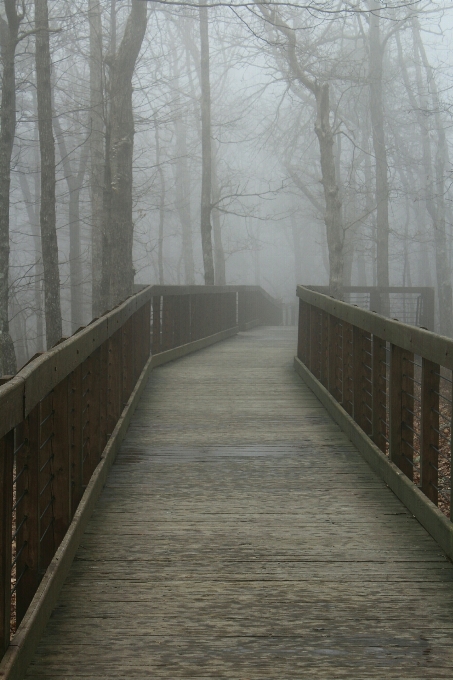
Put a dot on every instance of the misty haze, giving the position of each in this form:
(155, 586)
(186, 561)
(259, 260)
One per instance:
(226, 339)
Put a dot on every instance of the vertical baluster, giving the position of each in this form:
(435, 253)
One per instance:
(6, 520)
(46, 486)
(62, 461)
(127, 359)
(430, 429)
(28, 536)
(361, 340)
(94, 425)
(324, 349)
(75, 425)
(114, 406)
(348, 396)
(332, 350)
(147, 335)
(407, 415)
(379, 389)
(103, 394)
(156, 332)
(401, 387)
(167, 323)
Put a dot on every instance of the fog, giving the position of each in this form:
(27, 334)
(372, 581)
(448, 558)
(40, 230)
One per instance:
(263, 144)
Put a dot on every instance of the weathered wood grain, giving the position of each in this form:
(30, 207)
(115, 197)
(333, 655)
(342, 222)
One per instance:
(240, 535)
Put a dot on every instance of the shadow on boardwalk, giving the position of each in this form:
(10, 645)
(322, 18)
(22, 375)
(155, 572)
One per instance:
(241, 536)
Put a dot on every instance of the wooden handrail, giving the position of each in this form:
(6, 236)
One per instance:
(393, 379)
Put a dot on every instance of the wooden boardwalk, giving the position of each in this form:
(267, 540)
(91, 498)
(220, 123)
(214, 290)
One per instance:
(241, 536)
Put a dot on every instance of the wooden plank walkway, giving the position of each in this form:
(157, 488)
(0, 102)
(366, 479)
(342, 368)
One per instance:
(241, 536)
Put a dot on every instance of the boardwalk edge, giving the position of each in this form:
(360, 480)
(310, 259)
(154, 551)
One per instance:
(429, 516)
(195, 346)
(16, 660)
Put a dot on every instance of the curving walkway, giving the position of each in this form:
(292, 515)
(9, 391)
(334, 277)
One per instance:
(241, 536)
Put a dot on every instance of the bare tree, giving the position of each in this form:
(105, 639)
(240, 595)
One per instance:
(97, 141)
(325, 135)
(206, 151)
(117, 264)
(74, 180)
(49, 242)
(9, 30)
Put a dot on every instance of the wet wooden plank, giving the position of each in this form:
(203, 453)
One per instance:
(240, 535)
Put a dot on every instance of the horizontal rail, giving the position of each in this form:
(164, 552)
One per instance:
(425, 343)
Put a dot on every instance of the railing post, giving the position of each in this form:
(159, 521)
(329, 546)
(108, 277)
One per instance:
(156, 343)
(94, 405)
(332, 355)
(348, 376)
(167, 323)
(75, 424)
(303, 344)
(6, 520)
(379, 390)
(325, 349)
(28, 536)
(62, 460)
(429, 453)
(359, 337)
(401, 407)
(314, 340)
(103, 394)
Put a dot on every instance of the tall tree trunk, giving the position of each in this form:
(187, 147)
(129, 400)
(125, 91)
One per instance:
(324, 132)
(31, 205)
(376, 56)
(182, 200)
(219, 253)
(332, 217)
(49, 242)
(437, 206)
(118, 271)
(206, 153)
(96, 151)
(160, 240)
(74, 182)
(296, 234)
(9, 29)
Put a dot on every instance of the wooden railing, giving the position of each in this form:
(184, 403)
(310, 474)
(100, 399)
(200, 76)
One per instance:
(394, 380)
(411, 305)
(58, 412)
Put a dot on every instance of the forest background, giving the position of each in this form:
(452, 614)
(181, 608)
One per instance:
(239, 143)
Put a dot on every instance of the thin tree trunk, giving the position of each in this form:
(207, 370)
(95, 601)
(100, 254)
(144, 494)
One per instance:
(96, 151)
(182, 200)
(206, 153)
(74, 182)
(437, 206)
(376, 56)
(332, 218)
(219, 253)
(160, 241)
(31, 205)
(49, 242)
(8, 40)
(324, 132)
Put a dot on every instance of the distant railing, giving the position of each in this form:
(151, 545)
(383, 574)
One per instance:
(413, 306)
(183, 314)
(393, 379)
(58, 412)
